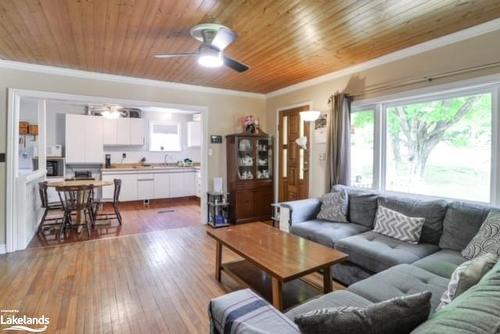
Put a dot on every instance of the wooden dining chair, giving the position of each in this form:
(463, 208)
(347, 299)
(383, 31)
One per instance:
(76, 199)
(116, 197)
(48, 207)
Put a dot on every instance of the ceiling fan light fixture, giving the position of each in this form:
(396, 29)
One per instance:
(210, 60)
(309, 115)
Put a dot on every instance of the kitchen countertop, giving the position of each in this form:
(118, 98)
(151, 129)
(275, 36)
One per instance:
(151, 168)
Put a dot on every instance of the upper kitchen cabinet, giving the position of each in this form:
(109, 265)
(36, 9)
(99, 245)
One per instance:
(84, 139)
(124, 131)
(137, 131)
(194, 134)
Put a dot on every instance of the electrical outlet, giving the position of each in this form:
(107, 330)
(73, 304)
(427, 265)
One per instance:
(322, 156)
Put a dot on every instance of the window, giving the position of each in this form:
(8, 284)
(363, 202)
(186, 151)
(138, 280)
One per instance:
(435, 146)
(164, 136)
(362, 140)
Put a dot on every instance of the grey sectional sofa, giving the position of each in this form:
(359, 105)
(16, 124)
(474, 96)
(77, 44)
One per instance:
(380, 268)
(448, 228)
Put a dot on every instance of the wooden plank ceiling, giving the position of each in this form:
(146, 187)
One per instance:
(284, 41)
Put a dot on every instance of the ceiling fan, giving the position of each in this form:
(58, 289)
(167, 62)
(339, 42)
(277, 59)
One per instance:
(214, 39)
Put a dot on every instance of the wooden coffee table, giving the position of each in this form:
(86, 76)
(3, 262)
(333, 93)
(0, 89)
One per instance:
(272, 255)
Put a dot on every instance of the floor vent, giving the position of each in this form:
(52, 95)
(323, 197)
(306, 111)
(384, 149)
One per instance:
(166, 211)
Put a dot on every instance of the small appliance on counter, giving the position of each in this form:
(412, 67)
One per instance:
(82, 175)
(53, 165)
(108, 161)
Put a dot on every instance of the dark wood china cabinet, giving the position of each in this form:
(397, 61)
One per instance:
(250, 176)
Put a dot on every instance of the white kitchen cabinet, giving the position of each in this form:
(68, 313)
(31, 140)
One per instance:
(176, 185)
(109, 131)
(194, 134)
(107, 192)
(122, 131)
(145, 186)
(94, 147)
(162, 185)
(183, 184)
(84, 139)
(189, 180)
(128, 190)
(75, 138)
(198, 184)
(137, 131)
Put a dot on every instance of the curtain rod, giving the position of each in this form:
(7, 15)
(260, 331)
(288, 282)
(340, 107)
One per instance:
(429, 78)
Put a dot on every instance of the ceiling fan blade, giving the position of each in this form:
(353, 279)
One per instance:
(172, 55)
(235, 65)
(223, 38)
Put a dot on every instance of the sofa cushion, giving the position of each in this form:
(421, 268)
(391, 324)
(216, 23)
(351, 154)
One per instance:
(349, 273)
(362, 205)
(332, 299)
(326, 232)
(475, 311)
(466, 276)
(398, 315)
(376, 252)
(442, 263)
(398, 226)
(401, 280)
(334, 206)
(487, 240)
(461, 223)
(432, 210)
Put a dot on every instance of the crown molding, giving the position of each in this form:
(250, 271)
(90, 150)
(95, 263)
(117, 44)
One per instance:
(15, 65)
(436, 43)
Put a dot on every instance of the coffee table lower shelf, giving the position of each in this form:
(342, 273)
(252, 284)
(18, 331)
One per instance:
(294, 292)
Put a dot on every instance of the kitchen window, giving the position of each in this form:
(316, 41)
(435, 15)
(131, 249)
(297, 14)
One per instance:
(164, 136)
(441, 146)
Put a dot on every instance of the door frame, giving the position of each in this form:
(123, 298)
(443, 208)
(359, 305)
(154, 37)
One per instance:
(14, 96)
(277, 157)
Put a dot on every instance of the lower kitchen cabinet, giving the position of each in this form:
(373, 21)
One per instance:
(145, 186)
(141, 186)
(128, 190)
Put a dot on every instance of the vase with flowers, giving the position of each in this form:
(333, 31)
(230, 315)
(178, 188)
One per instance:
(250, 124)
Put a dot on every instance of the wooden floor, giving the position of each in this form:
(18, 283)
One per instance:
(158, 282)
(159, 215)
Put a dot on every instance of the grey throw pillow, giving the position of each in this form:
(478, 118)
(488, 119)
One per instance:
(396, 315)
(334, 206)
(487, 240)
(397, 225)
(466, 276)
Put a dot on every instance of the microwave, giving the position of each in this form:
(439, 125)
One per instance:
(55, 167)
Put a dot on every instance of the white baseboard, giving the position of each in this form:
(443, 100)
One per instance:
(3, 249)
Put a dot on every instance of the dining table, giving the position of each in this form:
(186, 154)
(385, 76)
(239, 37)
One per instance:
(76, 183)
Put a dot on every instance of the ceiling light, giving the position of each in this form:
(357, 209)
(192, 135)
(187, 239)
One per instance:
(210, 57)
(310, 115)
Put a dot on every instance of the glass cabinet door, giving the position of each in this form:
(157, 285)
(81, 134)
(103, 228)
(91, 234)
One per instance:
(246, 158)
(264, 159)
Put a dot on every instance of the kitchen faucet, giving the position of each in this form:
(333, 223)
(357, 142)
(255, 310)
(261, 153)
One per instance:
(165, 158)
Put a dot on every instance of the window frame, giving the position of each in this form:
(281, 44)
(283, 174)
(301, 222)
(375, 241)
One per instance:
(381, 136)
(179, 134)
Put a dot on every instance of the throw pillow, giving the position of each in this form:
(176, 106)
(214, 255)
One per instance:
(487, 240)
(466, 276)
(334, 206)
(396, 315)
(397, 225)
